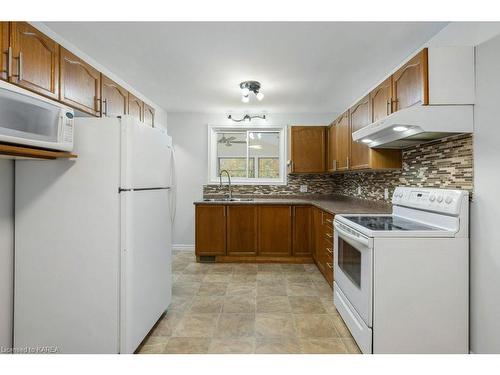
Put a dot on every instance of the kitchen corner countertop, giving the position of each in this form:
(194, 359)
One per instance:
(337, 204)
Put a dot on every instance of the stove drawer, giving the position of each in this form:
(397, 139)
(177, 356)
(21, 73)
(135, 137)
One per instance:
(358, 328)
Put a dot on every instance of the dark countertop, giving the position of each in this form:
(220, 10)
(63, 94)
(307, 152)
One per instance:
(333, 204)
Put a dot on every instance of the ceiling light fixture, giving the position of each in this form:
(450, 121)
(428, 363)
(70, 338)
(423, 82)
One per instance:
(400, 128)
(246, 118)
(250, 86)
(366, 140)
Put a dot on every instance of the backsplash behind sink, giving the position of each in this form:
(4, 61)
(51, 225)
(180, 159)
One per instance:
(445, 163)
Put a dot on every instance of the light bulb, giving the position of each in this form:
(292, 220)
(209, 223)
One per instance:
(245, 99)
(245, 91)
(400, 128)
(366, 140)
(260, 96)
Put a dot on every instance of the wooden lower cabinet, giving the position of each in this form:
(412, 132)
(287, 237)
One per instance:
(322, 232)
(210, 230)
(242, 227)
(301, 242)
(275, 230)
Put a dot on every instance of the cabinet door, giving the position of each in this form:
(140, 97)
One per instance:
(34, 60)
(381, 100)
(80, 84)
(308, 149)
(315, 230)
(360, 117)
(343, 142)
(210, 230)
(275, 230)
(149, 115)
(114, 98)
(332, 148)
(301, 242)
(410, 84)
(242, 230)
(135, 107)
(4, 48)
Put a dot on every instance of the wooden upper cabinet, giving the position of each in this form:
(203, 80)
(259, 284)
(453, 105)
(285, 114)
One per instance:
(410, 84)
(381, 100)
(242, 230)
(343, 142)
(135, 107)
(275, 230)
(360, 117)
(149, 115)
(34, 60)
(80, 84)
(308, 149)
(114, 98)
(4, 48)
(210, 230)
(301, 243)
(331, 163)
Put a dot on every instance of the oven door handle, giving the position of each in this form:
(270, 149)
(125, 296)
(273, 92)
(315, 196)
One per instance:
(361, 239)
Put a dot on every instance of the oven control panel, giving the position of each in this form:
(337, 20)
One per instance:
(437, 200)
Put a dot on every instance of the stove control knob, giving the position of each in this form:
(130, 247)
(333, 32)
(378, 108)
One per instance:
(432, 198)
(440, 199)
(448, 200)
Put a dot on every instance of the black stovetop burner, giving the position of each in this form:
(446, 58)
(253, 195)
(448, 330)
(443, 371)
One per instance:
(392, 223)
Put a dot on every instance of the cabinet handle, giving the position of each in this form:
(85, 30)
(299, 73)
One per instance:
(347, 162)
(329, 265)
(334, 164)
(105, 109)
(9, 62)
(20, 67)
(388, 107)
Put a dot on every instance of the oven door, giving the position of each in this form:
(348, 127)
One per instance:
(353, 256)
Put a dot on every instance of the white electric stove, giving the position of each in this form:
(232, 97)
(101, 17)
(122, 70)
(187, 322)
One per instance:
(401, 280)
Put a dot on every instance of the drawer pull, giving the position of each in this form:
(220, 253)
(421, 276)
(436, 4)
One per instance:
(329, 250)
(329, 265)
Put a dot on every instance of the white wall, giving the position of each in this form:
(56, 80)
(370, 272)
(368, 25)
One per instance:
(6, 251)
(190, 135)
(485, 209)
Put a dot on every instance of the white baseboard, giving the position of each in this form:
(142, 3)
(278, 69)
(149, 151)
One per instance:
(182, 247)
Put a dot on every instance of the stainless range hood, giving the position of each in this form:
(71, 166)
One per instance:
(416, 125)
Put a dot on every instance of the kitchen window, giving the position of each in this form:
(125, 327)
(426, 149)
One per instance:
(252, 155)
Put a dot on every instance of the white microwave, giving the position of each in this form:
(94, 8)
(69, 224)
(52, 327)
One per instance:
(30, 120)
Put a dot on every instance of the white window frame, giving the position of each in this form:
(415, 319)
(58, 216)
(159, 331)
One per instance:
(213, 178)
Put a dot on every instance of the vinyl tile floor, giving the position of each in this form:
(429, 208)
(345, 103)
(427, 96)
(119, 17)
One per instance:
(249, 308)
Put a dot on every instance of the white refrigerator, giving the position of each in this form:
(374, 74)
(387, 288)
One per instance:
(93, 240)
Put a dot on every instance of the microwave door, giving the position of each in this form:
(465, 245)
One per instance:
(31, 121)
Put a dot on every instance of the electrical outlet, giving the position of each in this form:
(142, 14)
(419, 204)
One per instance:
(386, 193)
(303, 188)
(359, 190)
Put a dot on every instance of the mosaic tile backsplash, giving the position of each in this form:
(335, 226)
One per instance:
(446, 163)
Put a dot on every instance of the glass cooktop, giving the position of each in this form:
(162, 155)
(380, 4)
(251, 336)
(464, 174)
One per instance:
(391, 223)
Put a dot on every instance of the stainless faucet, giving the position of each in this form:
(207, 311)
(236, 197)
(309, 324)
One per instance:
(229, 182)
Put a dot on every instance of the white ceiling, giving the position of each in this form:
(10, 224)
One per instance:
(304, 67)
